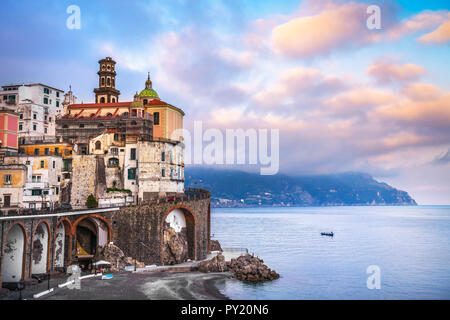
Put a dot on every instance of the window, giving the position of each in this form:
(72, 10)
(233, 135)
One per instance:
(114, 151)
(46, 91)
(8, 179)
(57, 94)
(98, 145)
(116, 137)
(103, 81)
(46, 151)
(21, 116)
(65, 126)
(134, 112)
(163, 156)
(59, 178)
(81, 125)
(145, 101)
(57, 189)
(132, 174)
(36, 192)
(38, 178)
(54, 164)
(45, 100)
(36, 151)
(163, 172)
(156, 118)
(132, 154)
(113, 99)
(57, 103)
(42, 164)
(34, 126)
(34, 116)
(20, 127)
(45, 130)
(102, 100)
(56, 151)
(113, 162)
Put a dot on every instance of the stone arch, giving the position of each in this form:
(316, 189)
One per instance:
(63, 243)
(190, 232)
(102, 100)
(89, 232)
(41, 246)
(98, 145)
(14, 253)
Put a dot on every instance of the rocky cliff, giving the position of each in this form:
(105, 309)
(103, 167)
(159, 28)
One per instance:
(240, 189)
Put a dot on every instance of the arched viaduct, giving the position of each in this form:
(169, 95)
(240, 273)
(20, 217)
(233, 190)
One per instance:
(42, 243)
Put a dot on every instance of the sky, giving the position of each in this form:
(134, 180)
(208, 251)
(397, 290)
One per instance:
(344, 97)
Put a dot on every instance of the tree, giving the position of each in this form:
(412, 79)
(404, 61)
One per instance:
(91, 202)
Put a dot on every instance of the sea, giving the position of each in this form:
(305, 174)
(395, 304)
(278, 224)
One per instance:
(376, 252)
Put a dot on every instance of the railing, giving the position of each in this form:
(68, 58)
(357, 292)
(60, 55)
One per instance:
(233, 249)
(190, 194)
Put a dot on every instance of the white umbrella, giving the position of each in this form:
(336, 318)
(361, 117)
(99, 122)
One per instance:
(101, 262)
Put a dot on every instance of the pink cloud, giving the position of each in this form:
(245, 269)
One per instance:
(421, 91)
(426, 20)
(440, 35)
(386, 72)
(334, 26)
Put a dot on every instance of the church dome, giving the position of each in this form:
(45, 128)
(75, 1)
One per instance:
(136, 104)
(148, 92)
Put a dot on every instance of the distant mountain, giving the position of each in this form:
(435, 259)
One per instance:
(242, 189)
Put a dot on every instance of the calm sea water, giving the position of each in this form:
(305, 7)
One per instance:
(410, 245)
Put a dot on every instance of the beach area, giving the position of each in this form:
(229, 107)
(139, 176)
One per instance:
(135, 286)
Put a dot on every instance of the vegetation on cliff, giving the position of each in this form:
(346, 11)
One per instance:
(240, 189)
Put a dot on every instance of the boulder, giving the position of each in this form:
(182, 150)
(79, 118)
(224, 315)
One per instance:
(250, 268)
(216, 264)
(114, 255)
(214, 245)
(175, 249)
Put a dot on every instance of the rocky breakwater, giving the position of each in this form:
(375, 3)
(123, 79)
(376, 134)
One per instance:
(250, 268)
(114, 255)
(245, 268)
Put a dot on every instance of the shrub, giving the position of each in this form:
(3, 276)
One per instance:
(91, 202)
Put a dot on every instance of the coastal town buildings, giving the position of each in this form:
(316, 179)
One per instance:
(127, 156)
(133, 148)
(9, 124)
(37, 105)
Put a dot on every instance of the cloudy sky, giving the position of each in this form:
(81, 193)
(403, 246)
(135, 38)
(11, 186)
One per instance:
(344, 97)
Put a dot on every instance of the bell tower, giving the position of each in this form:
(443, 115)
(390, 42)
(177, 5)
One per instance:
(106, 91)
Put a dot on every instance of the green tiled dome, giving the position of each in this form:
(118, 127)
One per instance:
(148, 93)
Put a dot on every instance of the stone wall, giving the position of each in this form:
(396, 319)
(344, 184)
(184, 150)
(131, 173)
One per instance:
(144, 223)
(84, 171)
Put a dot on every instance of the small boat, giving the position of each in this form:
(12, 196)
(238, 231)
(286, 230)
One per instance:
(329, 234)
